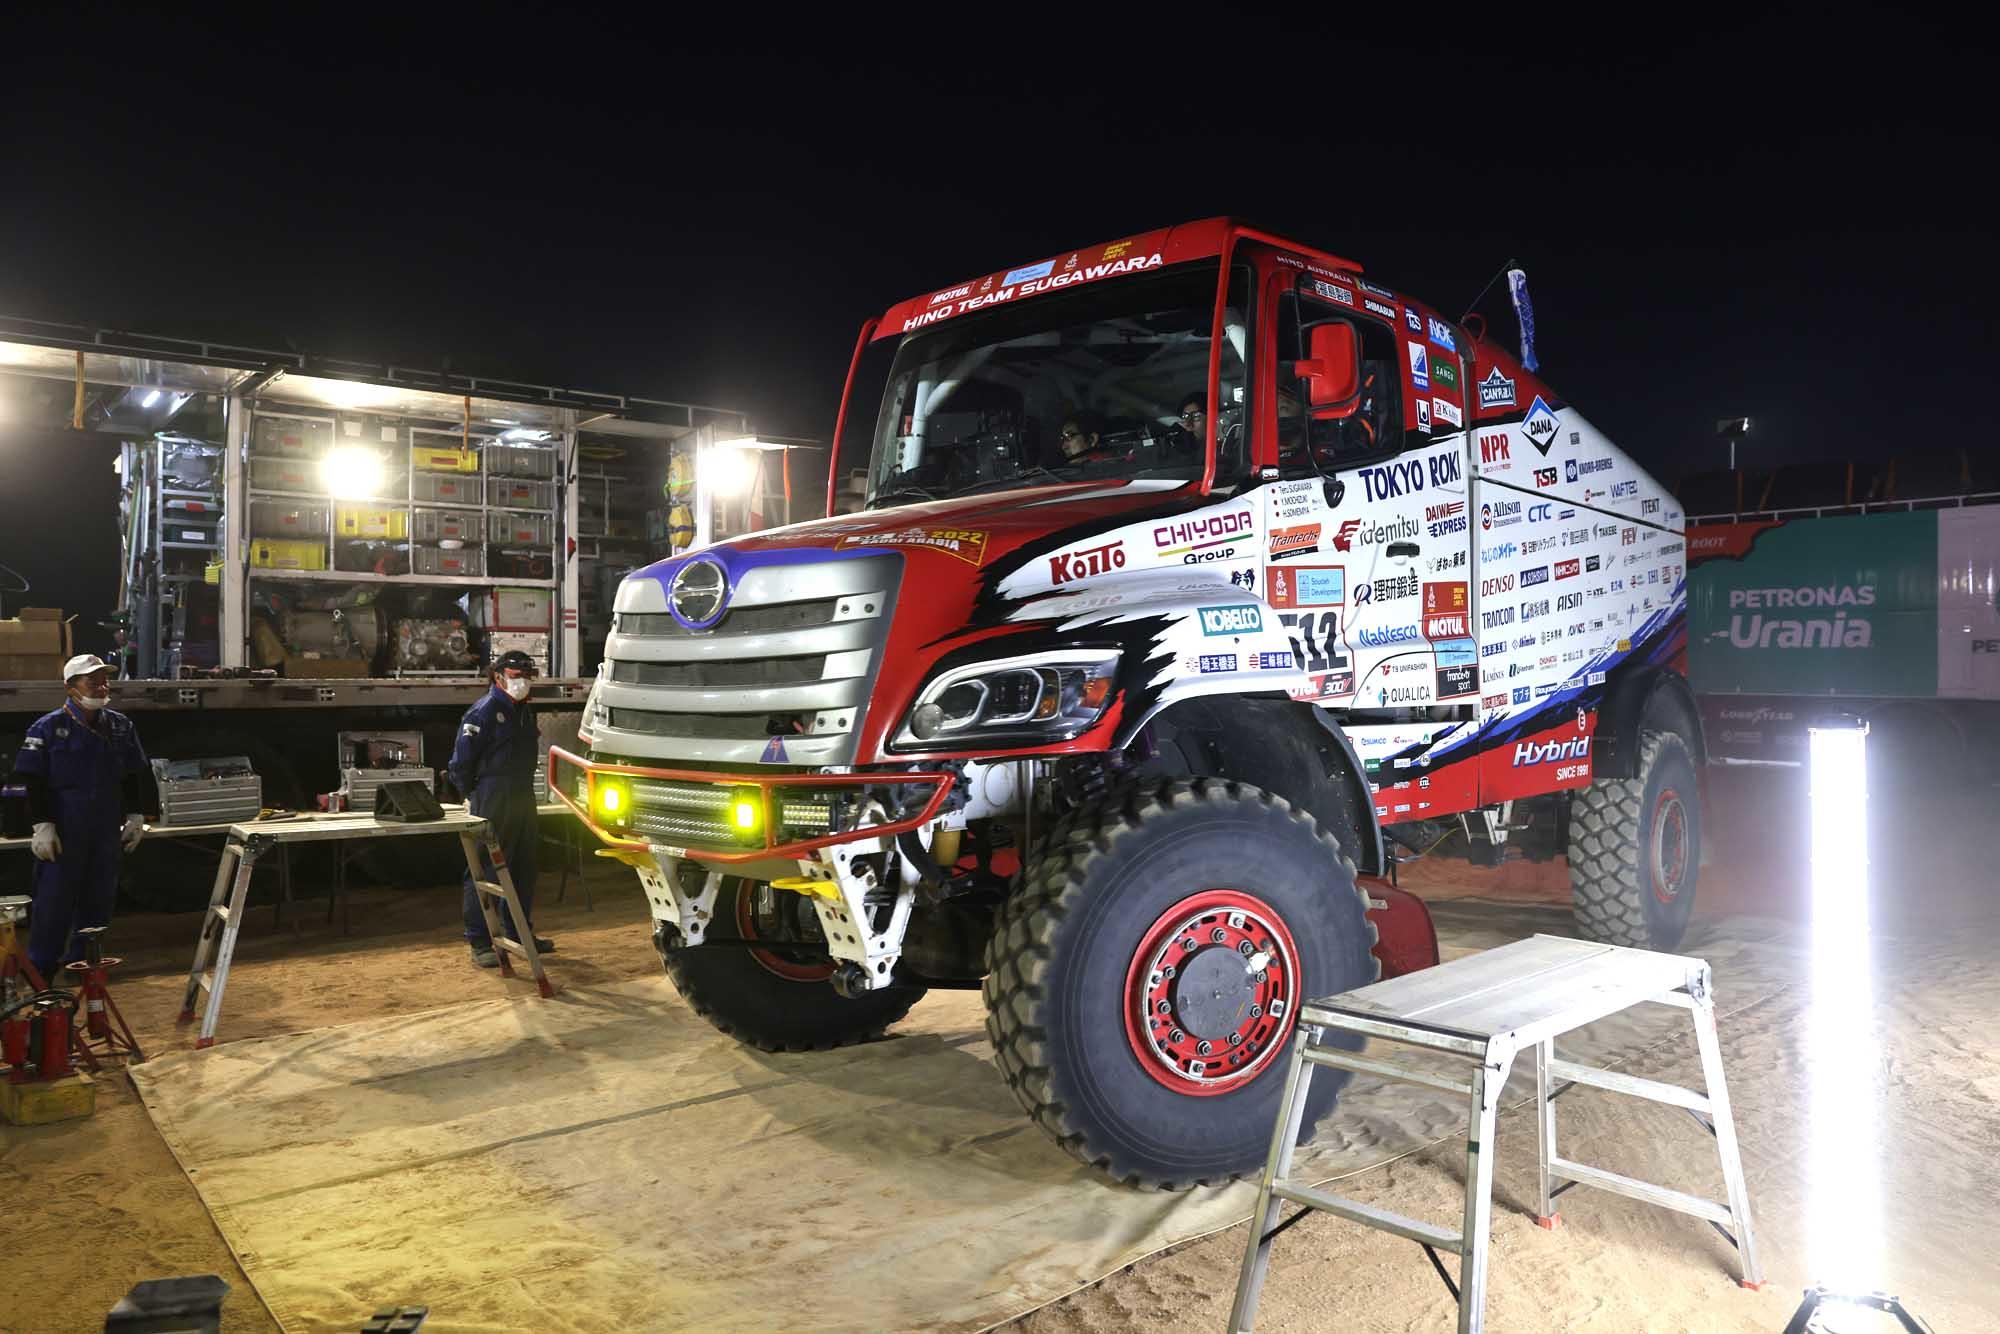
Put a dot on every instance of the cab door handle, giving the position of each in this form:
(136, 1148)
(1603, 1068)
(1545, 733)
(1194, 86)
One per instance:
(1402, 549)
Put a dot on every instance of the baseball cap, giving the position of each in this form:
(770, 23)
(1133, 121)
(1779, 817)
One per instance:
(83, 664)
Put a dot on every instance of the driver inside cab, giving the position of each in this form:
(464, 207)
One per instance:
(1081, 441)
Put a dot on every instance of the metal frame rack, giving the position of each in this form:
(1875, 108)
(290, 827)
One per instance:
(155, 528)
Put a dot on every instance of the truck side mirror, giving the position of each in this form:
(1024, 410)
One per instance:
(1332, 371)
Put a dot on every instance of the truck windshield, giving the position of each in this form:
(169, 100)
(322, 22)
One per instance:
(1106, 382)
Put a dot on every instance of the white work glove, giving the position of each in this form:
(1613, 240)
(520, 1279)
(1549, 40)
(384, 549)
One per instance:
(46, 845)
(134, 830)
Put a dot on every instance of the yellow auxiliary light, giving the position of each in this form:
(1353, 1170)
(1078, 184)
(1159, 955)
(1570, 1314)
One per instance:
(613, 799)
(746, 811)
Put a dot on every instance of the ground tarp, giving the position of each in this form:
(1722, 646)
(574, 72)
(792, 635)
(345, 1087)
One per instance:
(607, 1161)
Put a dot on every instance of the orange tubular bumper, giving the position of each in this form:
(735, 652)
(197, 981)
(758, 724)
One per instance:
(594, 772)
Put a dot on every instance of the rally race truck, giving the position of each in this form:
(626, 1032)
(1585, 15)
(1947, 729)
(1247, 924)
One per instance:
(1105, 701)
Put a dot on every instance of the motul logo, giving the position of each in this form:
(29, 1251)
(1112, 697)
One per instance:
(1091, 560)
(1528, 753)
(1444, 627)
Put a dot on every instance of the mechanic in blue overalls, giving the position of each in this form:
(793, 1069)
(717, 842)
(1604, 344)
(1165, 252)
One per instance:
(493, 766)
(87, 794)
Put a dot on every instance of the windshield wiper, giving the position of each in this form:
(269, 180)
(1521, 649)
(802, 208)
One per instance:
(1036, 470)
(907, 489)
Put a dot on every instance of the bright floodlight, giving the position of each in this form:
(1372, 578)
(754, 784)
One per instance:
(1844, 1194)
(732, 471)
(352, 474)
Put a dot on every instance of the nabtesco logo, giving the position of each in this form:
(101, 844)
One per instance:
(1527, 753)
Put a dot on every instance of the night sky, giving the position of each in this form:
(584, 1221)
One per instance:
(1773, 216)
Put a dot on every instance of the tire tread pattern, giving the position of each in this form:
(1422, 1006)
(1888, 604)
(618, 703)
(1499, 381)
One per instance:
(1019, 956)
(1606, 834)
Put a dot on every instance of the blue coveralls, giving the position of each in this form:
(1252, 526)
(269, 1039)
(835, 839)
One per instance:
(85, 768)
(493, 764)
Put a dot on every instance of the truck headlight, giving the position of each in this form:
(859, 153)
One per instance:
(1030, 700)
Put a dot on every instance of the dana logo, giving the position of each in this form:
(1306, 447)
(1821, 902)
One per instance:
(1540, 425)
(1499, 583)
(1445, 520)
(1538, 575)
(1546, 477)
(1496, 390)
(1568, 569)
(1089, 561)
(1493, 450)
(1241, 620)
(1527, 753)
(1420, 366)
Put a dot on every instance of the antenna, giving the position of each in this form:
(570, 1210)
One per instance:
(1473, 304)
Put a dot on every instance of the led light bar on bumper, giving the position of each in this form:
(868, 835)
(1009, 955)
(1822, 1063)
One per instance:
(1030, 700)
(727, 816)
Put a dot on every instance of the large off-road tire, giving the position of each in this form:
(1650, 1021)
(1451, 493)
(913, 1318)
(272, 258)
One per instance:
(776, 999)
(1635, 849)
(1130, 943)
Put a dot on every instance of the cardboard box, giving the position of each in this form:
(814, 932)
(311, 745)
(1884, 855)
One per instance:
(31, 667)
(34, 646)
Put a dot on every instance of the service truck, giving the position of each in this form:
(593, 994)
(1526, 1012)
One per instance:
(1892, 615)
(1105, 699)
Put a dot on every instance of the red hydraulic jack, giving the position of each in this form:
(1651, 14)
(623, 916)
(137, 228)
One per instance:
(104, 1032)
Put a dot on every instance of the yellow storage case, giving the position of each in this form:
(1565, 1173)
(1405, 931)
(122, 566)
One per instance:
(275, 553)
(371, 521)
(430, 458)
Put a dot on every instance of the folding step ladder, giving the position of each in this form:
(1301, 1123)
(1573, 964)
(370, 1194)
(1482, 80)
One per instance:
(252, 840)
(1482, 1010)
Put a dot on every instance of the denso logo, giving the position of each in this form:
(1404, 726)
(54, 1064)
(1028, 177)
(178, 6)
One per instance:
(1568, 569)
(1238, 620)
(1091, 560)
(1400, 634)
(1203, 529)
(1499, 583)
(1550, 752)
(1493, 449)
(1537, 575)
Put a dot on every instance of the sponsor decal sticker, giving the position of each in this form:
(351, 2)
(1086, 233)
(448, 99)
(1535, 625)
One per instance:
(1440, 333)
(1420, 366)
(1237, 620)
(1216, 662)
(1334, 293)
(1424, 415)
(1495, 390)
(1032, 271)
(1375, 307)
(1299, 541)
(967, 544)
(1446, 371)
(1446, 411)
(1494, 454)
(1540, 425)
(1091, 560)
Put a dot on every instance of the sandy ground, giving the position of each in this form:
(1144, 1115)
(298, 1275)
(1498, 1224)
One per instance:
(94, 1205)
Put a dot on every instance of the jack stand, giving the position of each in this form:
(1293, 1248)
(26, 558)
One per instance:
(104, 1032)
(17, 972)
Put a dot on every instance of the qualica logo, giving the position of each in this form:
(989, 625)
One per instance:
(1550, 752)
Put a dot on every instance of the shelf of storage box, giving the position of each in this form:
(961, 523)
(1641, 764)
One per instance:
(490, 497)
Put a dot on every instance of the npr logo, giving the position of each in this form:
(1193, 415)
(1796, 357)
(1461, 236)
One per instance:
(1493, 448)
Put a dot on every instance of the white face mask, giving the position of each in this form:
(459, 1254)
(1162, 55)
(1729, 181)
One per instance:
(93, 702)
(515, 686)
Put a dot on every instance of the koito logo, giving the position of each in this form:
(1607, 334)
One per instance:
(1089, 561)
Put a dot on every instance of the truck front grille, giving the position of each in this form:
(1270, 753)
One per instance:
(782, 678)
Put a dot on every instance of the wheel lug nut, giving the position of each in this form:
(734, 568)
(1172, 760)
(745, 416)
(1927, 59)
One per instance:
(1218, 935)
(1256, 1012)
(1203, 1048)
(1176, 1036)
(1235, 1038)
(1246, 949)
(1163, 1007)
(1187, 942)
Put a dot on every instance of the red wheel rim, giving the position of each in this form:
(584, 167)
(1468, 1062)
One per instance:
(775, 964)
(1669, 845)
(1202, 1019)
